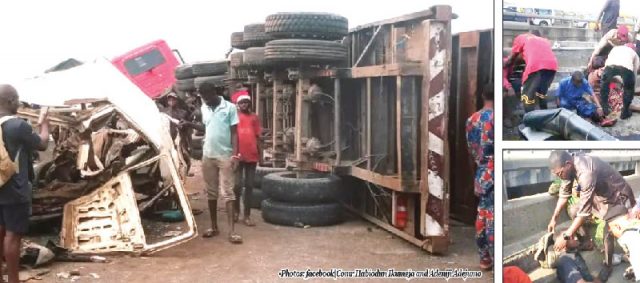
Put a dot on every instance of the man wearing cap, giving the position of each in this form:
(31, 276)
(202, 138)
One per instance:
(540, 69)
(624, 62)
(615, 37)
(249, 154)
(174, 111)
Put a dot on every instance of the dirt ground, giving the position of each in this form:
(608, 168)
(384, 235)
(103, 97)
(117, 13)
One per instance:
(267, 249)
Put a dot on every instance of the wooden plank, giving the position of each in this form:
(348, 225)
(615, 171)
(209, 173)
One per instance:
(369, 129)
(424, 130)
(409, 127)
(405, 69)
(469, 39)
(390, 182)
(366, 48)
(417, 16)
(258, 97)
(399, 124)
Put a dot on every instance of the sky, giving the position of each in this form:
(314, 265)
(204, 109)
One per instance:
(35, 35)
(630, 7)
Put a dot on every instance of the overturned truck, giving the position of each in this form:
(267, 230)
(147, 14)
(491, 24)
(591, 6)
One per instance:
(384, 108)
(112, 170)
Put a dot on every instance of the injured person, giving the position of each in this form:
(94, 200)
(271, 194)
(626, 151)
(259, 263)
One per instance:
(575, 93)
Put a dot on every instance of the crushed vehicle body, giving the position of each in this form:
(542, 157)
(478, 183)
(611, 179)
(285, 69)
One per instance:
(112, 171)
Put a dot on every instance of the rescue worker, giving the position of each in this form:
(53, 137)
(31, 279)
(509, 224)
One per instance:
(603, 193)
(15, 195)
(624, 62)
(541, 67)
(219, 156)
(479, 131)
(570, 96)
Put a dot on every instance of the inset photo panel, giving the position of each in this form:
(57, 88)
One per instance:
(570, 71)
(571, 215)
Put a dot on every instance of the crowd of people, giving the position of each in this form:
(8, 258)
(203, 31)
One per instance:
(601, 93)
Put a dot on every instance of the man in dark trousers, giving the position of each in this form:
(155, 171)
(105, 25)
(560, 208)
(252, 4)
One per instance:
(608, 16)
(604, 193)
(219, 154)
(15, 195)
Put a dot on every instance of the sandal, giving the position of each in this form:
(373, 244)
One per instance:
(210, 233)
(235, 238)
(248, 222)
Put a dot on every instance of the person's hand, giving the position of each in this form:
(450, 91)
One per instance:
(235, 160)
(552, 225)
(590, 64)
(44, 116)
(560, 245)
(600, 112)
(184, 124)
(597, 27)
(635, 212)
(511, 92)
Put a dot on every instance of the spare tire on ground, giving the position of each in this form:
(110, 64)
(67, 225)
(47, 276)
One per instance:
(293, 51)
(184, 72)
(216, 80)
(300, 215)
(253, 57)
(254, 35)
(210, 68)
(235, 59)
(301, 187)
(186, 85)
(306, 25)
(237, 40)
(263, 171)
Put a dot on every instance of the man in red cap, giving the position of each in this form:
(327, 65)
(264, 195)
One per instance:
(541, 67)
(249, 153)
(614, 37)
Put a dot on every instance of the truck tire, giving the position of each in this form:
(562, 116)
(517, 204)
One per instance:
(186, 85)
(292, 51)
(184, 72)
(263, 171)
(210, 68)
(254, 35)
(216, 80)
(306, 25)
(300, 215)
(253, 57)
(257, 197)
(309, 188)
(237, 40)
(235, 59)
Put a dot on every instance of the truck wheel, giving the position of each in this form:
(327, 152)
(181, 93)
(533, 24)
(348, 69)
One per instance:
(254, 35)
(293, 51)
(263, 171)
(308, 187)
(216, 80)
(306, 25)
(184, 72)
(253, 57)
(299, 215)
(186, 85)
(237, 40)
(256, 198)
(210, 68)
(235, 59)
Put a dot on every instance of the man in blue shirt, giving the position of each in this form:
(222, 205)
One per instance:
(219, 154)
(570, 96)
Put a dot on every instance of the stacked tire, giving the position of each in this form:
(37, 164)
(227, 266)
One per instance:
(190, 76)
(301, 199)
(305, 38)
(258, 195)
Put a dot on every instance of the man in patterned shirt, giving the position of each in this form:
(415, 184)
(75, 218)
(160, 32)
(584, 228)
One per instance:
(480, 142)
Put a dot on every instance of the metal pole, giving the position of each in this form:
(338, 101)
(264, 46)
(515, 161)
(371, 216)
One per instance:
(336, 123)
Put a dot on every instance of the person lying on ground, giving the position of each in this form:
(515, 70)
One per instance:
(604, 193)
(624, 62)
(569, 264)
(626, 228)
(615, 37)
(541, 67)
(571, 95)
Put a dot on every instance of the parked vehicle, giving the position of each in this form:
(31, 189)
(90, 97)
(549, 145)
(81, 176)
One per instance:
(510, 18)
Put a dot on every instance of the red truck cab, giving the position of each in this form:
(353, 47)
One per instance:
(150, 67)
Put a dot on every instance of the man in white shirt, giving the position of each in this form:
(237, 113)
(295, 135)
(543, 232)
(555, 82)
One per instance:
(624, 62)
(615, 37)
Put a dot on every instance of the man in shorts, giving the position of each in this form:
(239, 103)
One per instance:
(15, 195)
